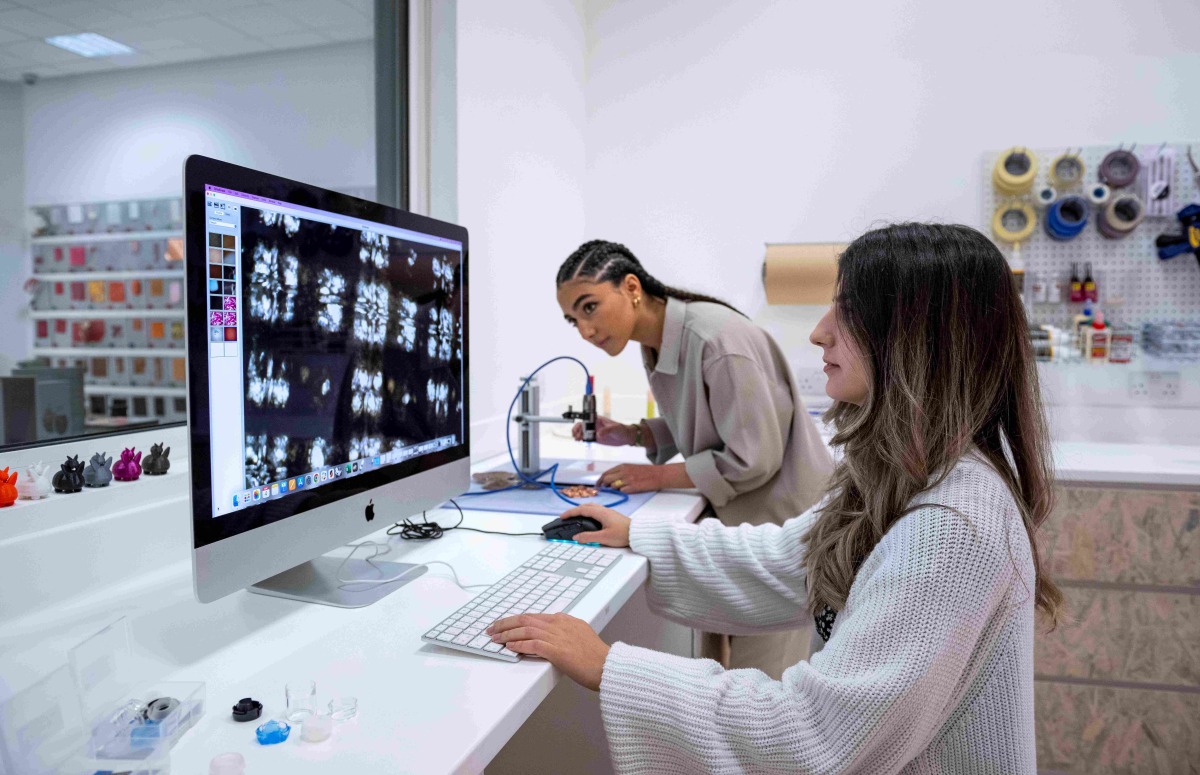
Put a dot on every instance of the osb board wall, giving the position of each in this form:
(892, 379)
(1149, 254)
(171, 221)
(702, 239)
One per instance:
(1118, 682)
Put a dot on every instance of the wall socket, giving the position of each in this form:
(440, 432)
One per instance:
(810, 382)
(1155, 387)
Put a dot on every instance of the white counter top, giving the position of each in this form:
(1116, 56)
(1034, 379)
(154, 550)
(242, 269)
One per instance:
(1161, 465)
(422, 709)
(1144, 465)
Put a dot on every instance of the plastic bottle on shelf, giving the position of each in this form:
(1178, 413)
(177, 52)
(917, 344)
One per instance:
(1098, 339)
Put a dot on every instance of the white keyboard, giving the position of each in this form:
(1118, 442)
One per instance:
(549, 582)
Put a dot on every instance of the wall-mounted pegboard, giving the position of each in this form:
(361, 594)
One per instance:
(1133, 284)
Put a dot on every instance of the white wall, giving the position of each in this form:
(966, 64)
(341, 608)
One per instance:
(307, 113)
(521, 156)
(18, 336)
(716, 127)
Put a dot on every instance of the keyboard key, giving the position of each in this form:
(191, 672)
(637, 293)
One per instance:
(493, 647)
(480, 642)
(558, 605)
(445, 636)
(462, 640)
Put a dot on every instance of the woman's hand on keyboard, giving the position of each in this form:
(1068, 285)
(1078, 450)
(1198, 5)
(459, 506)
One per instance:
(568, 643)
(614, 529)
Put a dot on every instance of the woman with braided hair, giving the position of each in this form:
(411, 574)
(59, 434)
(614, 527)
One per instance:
(729, 406)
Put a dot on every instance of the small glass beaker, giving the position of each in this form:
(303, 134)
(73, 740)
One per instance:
(301, 700)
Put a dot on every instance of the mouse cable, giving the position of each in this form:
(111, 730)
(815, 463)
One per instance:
(428, 531)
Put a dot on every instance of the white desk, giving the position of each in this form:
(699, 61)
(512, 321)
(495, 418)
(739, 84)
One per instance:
(422, 709)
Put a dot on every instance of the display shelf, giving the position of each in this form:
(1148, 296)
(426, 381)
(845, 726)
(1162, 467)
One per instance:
(133, 390)
(91, 314)
(111, 352)
(115, 236)
(110, 274)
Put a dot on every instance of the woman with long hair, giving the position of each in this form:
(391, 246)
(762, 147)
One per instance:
(920, 564)
(729, 406)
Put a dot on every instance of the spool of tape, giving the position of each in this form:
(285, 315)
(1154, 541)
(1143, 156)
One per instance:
(1014, 171)
(1066, 171)
(1066, 218)
(1099, 194)
(1121, 216)
(1014, 221)
(1045, 196)
(1119, 168)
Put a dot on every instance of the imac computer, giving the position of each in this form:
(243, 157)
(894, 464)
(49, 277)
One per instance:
(327, 378)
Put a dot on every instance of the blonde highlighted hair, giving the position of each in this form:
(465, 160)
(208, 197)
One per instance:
(936, 317)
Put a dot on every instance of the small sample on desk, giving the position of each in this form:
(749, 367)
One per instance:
(579, 491)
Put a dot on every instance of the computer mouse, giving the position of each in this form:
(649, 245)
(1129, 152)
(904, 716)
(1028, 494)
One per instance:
(565, 529)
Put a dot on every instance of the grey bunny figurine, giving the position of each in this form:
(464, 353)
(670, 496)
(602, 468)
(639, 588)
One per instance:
(99, 471)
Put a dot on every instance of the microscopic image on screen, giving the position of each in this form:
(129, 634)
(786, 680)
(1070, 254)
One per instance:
(352, 344)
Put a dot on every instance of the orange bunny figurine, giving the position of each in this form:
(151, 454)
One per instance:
(8, 488)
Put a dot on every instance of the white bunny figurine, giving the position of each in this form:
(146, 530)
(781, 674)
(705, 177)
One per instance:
(36, 482)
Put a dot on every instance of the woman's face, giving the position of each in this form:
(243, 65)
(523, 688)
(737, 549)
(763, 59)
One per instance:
(603, 312)
(845, 368)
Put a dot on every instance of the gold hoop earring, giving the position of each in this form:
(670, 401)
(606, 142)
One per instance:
(637, 300)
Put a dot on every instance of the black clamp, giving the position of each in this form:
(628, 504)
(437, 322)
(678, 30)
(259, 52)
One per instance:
(247, 709)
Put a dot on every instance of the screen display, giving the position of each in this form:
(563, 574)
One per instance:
(335, 347)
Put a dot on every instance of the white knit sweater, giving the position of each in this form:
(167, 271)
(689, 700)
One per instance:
(929, 668)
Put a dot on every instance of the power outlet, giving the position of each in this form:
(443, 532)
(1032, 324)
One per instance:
(1164, 386)
(1139, 387)
(810, 382)
(1155, 387)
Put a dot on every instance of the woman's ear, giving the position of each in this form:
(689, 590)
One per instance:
(632, 285)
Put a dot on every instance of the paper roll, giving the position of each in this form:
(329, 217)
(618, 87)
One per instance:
(801, 274)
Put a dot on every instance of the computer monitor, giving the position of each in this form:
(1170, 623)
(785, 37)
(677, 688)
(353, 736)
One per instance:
(327, 377)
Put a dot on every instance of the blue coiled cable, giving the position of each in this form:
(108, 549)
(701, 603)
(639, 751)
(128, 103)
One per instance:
(552, 470)
(1066, 218)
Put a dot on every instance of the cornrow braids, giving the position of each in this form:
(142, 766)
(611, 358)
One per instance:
(604, 261)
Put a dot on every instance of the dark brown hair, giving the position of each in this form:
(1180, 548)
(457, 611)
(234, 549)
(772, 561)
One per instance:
(935, 314)
(603, 261)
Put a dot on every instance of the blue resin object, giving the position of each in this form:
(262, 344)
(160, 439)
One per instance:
(273, 732)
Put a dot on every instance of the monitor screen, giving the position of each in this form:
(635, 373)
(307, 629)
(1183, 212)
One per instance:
(334, 339)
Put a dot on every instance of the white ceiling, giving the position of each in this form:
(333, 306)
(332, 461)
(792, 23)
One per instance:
(169, 31)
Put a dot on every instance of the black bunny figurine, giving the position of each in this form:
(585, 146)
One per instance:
(157, 462)
(70, 478)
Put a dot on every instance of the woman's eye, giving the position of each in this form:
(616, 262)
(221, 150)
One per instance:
(589, 307)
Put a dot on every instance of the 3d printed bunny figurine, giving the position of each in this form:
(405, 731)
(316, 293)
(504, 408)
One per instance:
(70, 478)
(36, 482)
(8, 488)
(157, 461)
(129, 467)
(97, 474)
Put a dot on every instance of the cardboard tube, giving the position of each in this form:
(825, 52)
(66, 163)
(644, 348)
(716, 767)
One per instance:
(801, 274)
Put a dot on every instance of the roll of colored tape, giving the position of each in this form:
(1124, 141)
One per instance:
(1014, 222)
(1121, 216)
(1014, 171)
(1119, 168)
(1066, 218)
(1066, 171)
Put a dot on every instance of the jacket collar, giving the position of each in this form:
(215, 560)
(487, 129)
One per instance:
(672, 340)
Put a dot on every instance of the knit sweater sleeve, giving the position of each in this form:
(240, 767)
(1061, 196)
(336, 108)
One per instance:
(872, 699)
(737, 580)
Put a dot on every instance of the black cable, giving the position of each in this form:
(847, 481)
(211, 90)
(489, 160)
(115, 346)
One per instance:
(429, 531)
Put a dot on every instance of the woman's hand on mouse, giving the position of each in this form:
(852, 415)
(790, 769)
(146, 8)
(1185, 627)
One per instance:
(608, 432)
(614, 530)
(568, 643)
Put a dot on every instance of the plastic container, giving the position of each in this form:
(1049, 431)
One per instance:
(125, 718)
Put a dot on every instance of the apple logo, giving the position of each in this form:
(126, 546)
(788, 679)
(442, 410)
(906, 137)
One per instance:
(370, 511)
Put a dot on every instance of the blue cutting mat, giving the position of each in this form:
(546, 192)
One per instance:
(542, 500)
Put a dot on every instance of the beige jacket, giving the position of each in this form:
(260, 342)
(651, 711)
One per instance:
(728, 404)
